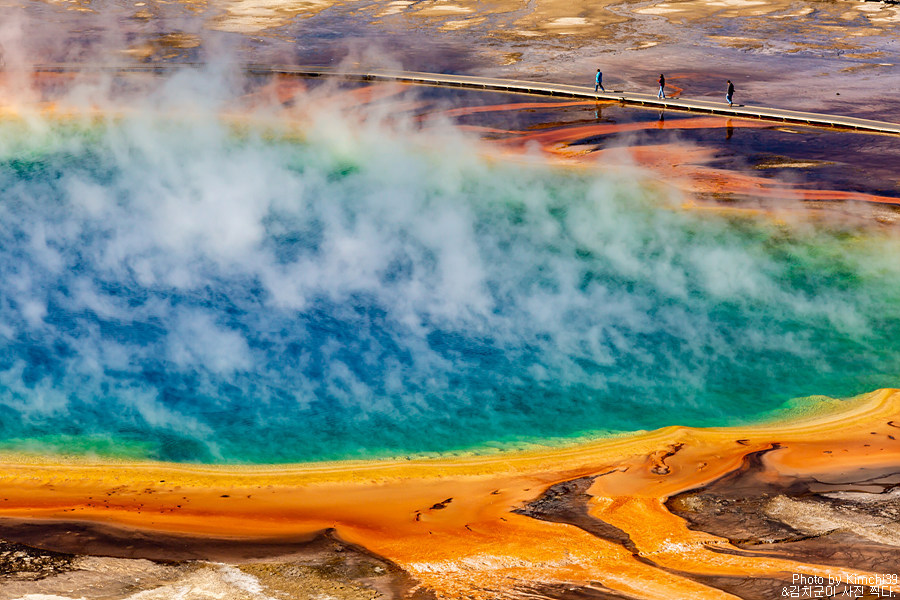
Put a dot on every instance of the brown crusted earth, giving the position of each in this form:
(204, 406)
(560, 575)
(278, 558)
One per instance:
(99, 561)
(838, 56)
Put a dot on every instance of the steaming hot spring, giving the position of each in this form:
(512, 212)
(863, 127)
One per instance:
(200, 275)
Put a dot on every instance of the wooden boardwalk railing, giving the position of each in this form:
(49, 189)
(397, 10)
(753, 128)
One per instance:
(531, 87)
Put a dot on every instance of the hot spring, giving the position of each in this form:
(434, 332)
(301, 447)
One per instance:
(176, 288)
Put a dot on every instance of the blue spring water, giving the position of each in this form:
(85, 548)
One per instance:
(172, 290)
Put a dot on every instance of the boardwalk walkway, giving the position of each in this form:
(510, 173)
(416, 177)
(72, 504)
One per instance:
(542, 89)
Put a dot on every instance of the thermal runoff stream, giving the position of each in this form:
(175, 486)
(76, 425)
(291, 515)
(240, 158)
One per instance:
(174, 287)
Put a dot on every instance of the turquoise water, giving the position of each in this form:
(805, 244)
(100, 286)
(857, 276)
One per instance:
(171, 290)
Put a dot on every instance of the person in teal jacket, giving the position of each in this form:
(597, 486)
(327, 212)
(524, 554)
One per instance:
(598, 82)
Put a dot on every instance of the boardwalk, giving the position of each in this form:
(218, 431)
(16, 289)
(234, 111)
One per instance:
(542, 89)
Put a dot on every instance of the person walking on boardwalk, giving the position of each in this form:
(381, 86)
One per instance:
(598, 82)
(662, 86)
(729, 95)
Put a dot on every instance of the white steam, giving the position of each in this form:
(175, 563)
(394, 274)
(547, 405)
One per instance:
(163, 269)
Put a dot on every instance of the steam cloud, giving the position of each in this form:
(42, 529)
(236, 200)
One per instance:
(218, 294)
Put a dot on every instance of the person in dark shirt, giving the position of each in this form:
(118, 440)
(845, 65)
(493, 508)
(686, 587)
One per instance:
(598, 82)
(662, 86)
(729, 95)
